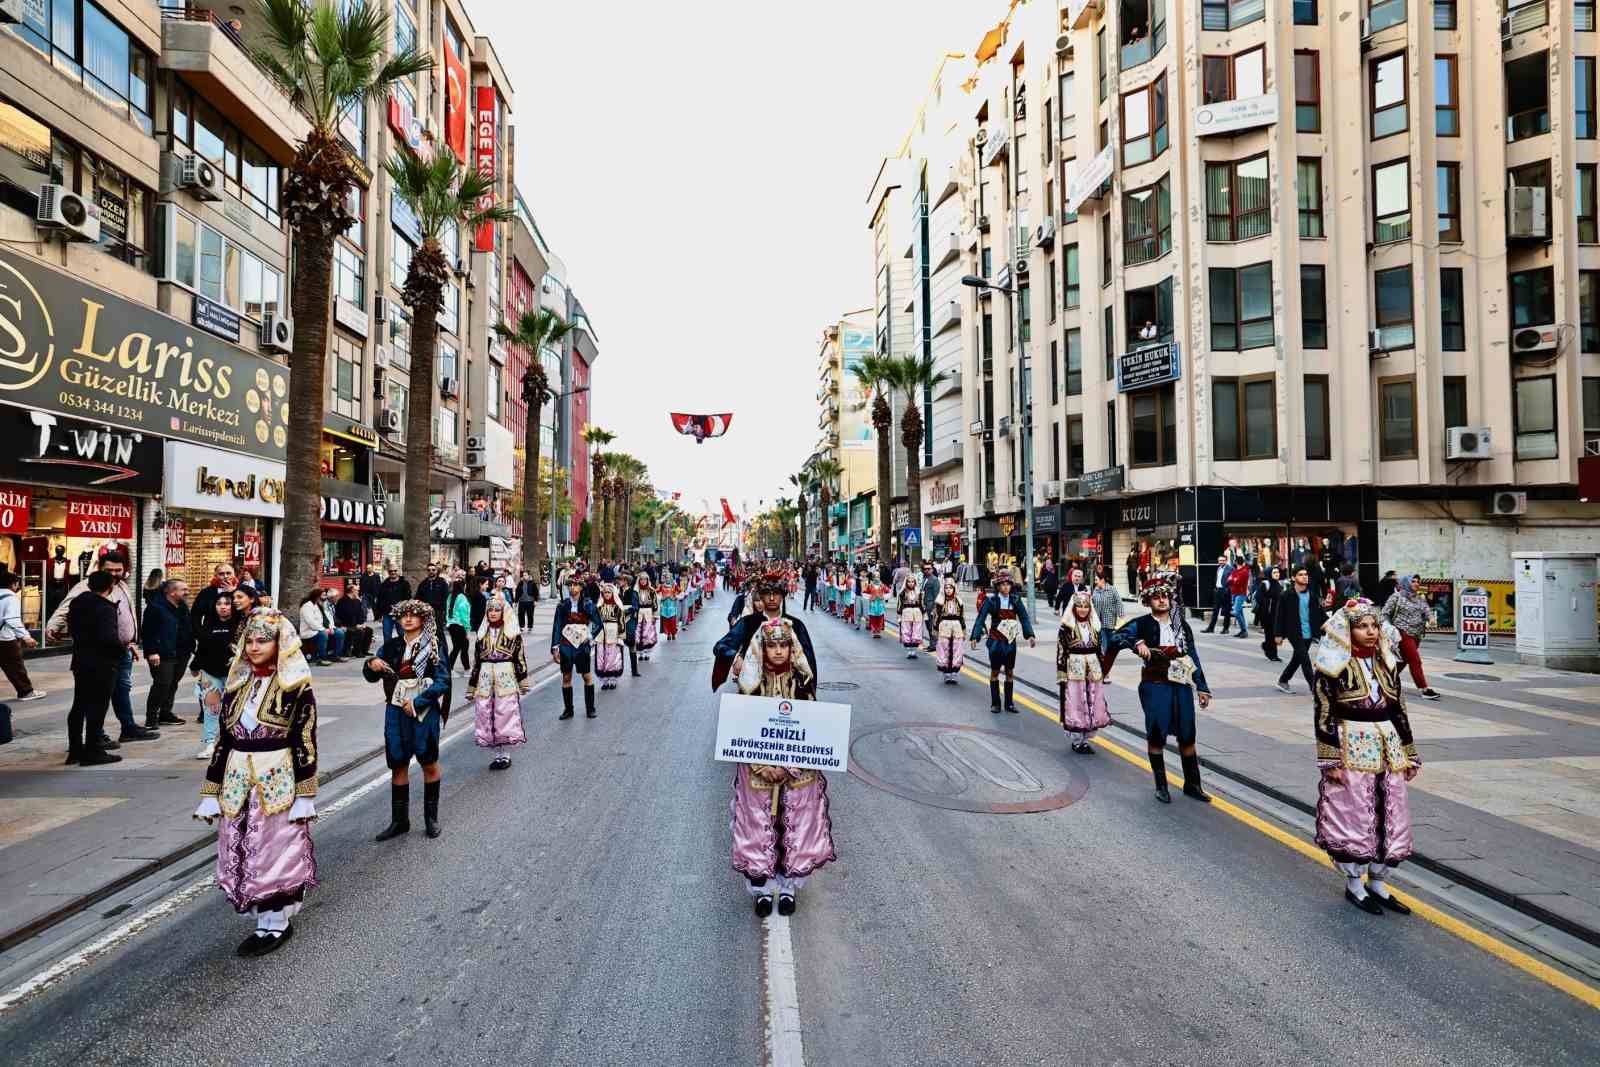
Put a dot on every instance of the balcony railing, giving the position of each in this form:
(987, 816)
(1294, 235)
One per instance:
(233, 29)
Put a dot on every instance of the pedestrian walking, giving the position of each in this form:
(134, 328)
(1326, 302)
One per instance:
(1107, 602)
(1268, 591)
(14, 637)
(1407, 610)
(932, 589)
(458, 617)
(1080, 673)
(169, 645)
(1239, 590)
(527, 593)
(97, 649)
(1346, 586)
(1003, 623)
(948, 621)
(214, 648)
(1386, 586)
(1170, 684)
(499, 682)
(1300, 617)
(1222, 599)
(416, 702)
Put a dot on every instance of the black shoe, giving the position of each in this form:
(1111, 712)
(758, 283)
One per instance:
(139, 733)
(994, 709)
(1162, 795)
(1241, 633)
(1390, 903)
(1082, 748)
(94, 757)
(1191, 780)
(763, 906)
(589, 711)
(73, 756)
(169, 719)
(786, 904)
(1368, 903)
(399, 813)
(1196, 793)
(500, 763)
(430, 809)
(260, 944)
(1209, 630)
(565, 714)
(105, 741)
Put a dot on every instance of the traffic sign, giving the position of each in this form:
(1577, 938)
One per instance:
(1472, 627)
(911, 537)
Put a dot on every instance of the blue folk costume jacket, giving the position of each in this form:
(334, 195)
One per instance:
(565, 614)
(630, 615)
(985, 625)
(435, 696)
(1146, 629)
(736, 642)
(736, 612)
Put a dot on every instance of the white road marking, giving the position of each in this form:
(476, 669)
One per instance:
(70, 964)
(784, 1047)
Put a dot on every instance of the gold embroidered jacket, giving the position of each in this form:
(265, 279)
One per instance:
(1347, 697)
(294, 713)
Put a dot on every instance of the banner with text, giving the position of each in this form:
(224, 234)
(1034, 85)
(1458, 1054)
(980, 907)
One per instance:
(803, 734)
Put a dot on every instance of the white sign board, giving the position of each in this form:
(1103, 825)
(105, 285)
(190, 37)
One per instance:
(803, 734)
(1087, 177)
(1231, 116)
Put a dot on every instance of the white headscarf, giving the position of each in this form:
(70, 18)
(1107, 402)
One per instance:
(509, 624)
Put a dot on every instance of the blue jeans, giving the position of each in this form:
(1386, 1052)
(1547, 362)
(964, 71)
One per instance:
(390, 627)
(322, 646)
(122, 692)
(1238, 611)
(209, 725)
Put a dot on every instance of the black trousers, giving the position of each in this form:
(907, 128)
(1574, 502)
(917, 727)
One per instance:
(1301, 659)
(525, 615)
(1223, 608)
(91, 699)
(357, 640)
(458, 647)
(163, 690)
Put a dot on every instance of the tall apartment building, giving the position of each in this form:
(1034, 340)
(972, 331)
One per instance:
(1292, 278)
(845, 436)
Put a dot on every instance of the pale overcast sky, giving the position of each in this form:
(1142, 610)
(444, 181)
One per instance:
(703, 169)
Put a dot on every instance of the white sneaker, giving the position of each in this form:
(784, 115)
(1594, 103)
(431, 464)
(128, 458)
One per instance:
(206, 751)
(37, 694)
(1282, 688)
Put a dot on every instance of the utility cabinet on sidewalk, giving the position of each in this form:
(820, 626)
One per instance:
(1556, 609)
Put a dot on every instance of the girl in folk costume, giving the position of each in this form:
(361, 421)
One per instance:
(708, 585)
(911, 620)
(498, 684)
(950, 630)
(833, 592)
(608, 642)
(781, 826)
(645, 631)
(1080, 675)
(877, 597)
(416, 703)
(847, 597)
(670, 597)
(1365, 752)
(262, 780)
(1003, 622)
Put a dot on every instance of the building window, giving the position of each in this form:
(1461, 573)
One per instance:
(1589, 310)
(1452, 309)
(1065, 103)
(1319, 441)
(1444, 14)
(1391, 202)
(1397, 418)
(1448, 177)
(248, 173)
(1144, 31)
(199, 258)
(1109, 340)
(1527, 97)
(1230, 14)
(88, 47)
(1149, 314)
(449, 361)
(1024, 315)
(1241, 308)
(1388, 90)
(1591, 412)
(394, 399)
(1101, 66)
(1238, 200)
(1381, 14)
(1534, 417)
(349, 275)
(1313, 305)
(356, 204)
(1307, 92)
(1055, 451)
(1235, 77)
(1054, 293)
(445, 431)
(1533, 298)
(1147, 222)
(1074, 362)
(1144, 123)
(1075, 447)
(1244, 418)
(1396, 324)
(1155, 426)
(1583, 92)
(1019, 153)
(1305, 12)
(1455, 401)
(1055, 375)
(1308, 192)
(1583, 14)
(1111, 433)
(1530, 176)
(346, 376)
(1446, 97)
(493, 391)
(1072, 281)
(400, 253)
(399, 336)
(1588, 224)
(450, 309)
(353, 128)
(1105, 249)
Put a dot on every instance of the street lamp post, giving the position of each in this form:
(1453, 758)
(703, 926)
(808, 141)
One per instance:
(1025, 386)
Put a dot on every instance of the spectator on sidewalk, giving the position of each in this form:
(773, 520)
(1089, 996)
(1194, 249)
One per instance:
(527, 593)
(350, 617)
(371, 583)
(168, 647)
(1107, 603)
(14, 637)
(152, 587)
(94, 626)
(1347, 586)
(223, 583)
(213, 656)
(115, 564)
(1268, 590)
(1239, 592)
(1220, 597)
(1386, 586)
(1300, 618)
(458, 617)
(434, 591)
(1407, 609)
(393, 590)
(324, 643)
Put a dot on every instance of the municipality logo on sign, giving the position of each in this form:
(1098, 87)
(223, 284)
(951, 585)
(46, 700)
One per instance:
(785, 708)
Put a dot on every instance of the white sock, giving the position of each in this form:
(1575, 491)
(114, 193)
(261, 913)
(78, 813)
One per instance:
(1375, 883)
(789, 886)
(271, 922)
(759, 890)
(1352, 879)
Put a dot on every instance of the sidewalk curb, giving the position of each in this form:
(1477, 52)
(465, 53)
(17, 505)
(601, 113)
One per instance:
(28, 931)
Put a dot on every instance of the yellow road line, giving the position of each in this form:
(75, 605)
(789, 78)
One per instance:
(1545, 973)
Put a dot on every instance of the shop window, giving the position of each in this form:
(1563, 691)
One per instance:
(1072, 276)
(1588, 223)
(1147, 222)
(1533, 298)
(1387, 86)
(1241, 308)
(1149, 315)
(1589, 310)
(1238, 200)
(1154, 413)
(1307, 92)
(1075, 447)
(1308, 195)
(1527, 96)
(1397, 418)
(1381, 14)
(1534, 417)
(1591, 416)
(1447, 177)
(1319, 438)
(1583, 94)
(1244, 418)
(87, 46)
(1452, 309)
(1446, 97)
(1074, 361)
(1235, 77)
(1391, 202)
(1313, 306)
(1144, 30)
(199, 258)
(341, 559)
(1144, 123)
(1455, 401)
(1393, 300)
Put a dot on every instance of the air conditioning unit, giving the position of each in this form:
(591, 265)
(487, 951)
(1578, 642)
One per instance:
(1021, 266)
(380, 356)
(449, 386)
(62, 209)
(1045, 234)
(1530, 212)
(277, 332)
(1064, 47)
(1375, 343)
(1005, 426)
(388, 421)
(1052, 490)
(983, 223)
(1532, 340)
(200, 177)
(461, 267)
(982, 137)
(476, 457)
(1509, 503)
(477, 442)
(1505, 28)
(11, 10)
(1468, 442)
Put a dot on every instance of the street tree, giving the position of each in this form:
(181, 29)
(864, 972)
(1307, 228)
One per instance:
(535, 329)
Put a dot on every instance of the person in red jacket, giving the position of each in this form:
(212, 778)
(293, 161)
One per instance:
(1239, 589)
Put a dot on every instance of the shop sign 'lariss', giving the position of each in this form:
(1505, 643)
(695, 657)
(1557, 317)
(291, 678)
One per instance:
(77, 350)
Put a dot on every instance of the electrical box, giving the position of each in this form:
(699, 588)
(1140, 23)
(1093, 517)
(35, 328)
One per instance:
(1555, 605)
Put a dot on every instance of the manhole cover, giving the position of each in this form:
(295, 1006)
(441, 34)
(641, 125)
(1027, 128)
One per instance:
(1468, 677)
(964, 768)
(837, 686)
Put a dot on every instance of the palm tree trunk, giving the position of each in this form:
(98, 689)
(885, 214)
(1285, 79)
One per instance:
(885, 491)
(802, 518)
(302, 520)
(914, 491)
(530, 489)
(419, 441)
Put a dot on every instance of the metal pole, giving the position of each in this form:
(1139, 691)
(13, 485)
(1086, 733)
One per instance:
(1025, 386)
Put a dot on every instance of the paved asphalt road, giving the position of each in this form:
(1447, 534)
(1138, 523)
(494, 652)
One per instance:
(580, 910)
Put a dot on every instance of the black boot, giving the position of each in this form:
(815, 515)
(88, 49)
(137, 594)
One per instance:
(588, 702)
(430, 808)
(633, 662)
(994, 695)
(399, 813)
(566, 701)
(1158, 767)
(1191, 779)
(1011, 707)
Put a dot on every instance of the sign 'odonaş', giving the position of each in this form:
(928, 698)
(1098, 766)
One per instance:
(803, 734)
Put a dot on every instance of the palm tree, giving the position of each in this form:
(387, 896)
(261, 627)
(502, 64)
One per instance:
(536, 328)
(826, 472)
(632, 479)
(876, 374)
(802, 485)
(326, 58)
(596, 438)
(784, 511)
(914, 377)
(600, 470)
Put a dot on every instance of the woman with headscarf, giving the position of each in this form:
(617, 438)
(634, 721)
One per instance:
(608, 642)
(909, 606)
(670, 599)
(876, 595)
(262, 780)
(1365, 753)
(949, 624)
(215, 645)
(645, 629)
(499, 682)
(416, 692)
(1080, 674)
(1003, 623)
(1267, 593)
(1407, 610)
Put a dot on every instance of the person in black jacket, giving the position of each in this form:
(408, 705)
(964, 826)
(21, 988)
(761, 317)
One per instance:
(371, 585)
(1299, 620)
(1268, 590)
(97, 649)
(434, 591)
(350, 615)
(527, 595)
(168, 644)
(223, 582)
(214, 645)
(392, 591)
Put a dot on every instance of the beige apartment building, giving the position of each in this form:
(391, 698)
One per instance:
(1303, 279)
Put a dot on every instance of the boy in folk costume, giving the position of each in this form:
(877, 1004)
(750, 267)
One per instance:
(572, 636)
(499, 682)
(950, 632)
(1003, 622)
(910, 611)
(877, 596)
(630, 630)
(1365, 753)
(416, 693)
(262, 780)
(781, 826)
(1080, 675)
(608, 642)
(645, 629)
(1170, 684)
